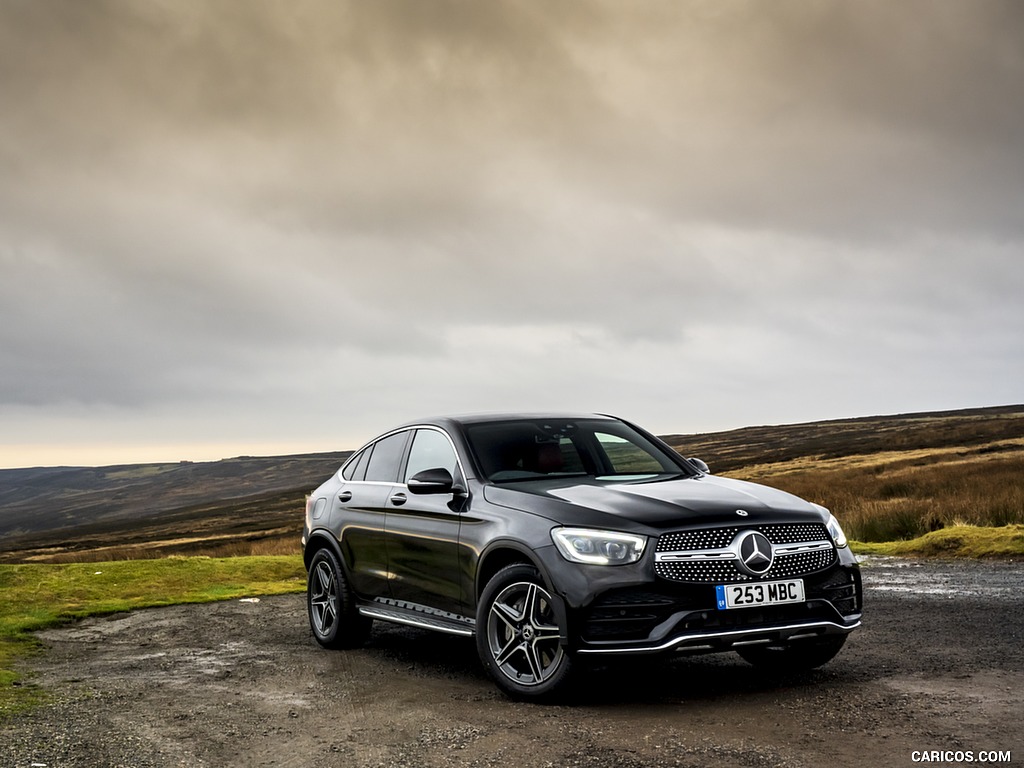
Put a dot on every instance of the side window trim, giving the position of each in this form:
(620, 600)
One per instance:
(361, 459)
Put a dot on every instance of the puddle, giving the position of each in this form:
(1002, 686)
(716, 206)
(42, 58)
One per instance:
(943, 579)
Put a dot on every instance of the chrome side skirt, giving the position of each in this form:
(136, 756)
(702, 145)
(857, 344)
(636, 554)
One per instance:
(398, 615)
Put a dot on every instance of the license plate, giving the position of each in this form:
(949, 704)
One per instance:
(762, 593)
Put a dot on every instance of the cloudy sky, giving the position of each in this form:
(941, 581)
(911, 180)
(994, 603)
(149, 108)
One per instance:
(242, 227)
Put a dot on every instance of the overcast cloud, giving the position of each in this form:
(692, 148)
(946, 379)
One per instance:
(241, 227)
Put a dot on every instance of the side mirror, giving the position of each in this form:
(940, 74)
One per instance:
(699, 464)
(438, 480)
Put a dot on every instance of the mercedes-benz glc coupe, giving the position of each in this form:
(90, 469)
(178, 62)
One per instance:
(552, 539)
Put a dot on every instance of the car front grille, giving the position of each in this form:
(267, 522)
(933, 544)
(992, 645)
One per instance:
(704, 556)
(717, 538)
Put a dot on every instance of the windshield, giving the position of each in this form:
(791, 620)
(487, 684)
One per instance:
(508, 451)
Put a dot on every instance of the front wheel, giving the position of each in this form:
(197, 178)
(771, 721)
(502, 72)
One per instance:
(799, 656)
(518, 637)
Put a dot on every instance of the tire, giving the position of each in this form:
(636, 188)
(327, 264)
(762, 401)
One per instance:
(518, 637)
(799, 656)
(333, 617)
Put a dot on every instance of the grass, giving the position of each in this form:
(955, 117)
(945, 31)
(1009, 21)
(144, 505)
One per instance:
(903, 495)
(39, 596)
(215, 546)
(960, 541)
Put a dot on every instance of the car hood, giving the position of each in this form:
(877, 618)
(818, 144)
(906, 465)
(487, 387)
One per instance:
(675, 502)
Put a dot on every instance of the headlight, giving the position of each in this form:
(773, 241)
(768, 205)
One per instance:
(836, 532)
(584, 545)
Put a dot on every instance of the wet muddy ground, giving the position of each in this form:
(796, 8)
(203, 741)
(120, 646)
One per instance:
(937, 666)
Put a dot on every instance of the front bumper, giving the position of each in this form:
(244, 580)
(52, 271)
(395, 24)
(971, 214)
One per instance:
(684, 618)
(653, 615)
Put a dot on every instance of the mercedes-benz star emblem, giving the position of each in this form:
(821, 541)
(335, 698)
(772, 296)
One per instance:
(756, 553)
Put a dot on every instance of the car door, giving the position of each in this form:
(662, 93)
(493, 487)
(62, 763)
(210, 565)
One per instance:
(422, 530)
(359, 513)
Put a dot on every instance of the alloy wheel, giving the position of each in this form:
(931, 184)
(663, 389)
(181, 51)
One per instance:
(323, 598)
(522, 634)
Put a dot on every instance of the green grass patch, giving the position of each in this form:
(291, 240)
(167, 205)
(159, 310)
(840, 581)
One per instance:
(959, 541)
(40, 596)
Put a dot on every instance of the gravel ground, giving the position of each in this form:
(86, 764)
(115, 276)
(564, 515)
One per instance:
(937, 666)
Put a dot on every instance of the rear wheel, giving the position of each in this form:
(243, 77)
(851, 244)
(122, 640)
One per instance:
(333, 617)
(795, 657)
(518, 637)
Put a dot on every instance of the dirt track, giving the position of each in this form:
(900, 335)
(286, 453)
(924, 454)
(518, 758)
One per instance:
(243, 684)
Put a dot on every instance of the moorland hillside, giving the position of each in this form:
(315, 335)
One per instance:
(886, 477)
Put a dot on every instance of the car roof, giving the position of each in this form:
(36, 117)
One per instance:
(485, 417)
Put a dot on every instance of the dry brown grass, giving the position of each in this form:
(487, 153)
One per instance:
(276, 542)
(895, 495)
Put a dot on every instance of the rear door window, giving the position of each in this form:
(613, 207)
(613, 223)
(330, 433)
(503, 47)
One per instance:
(386, 458)
(356, 468)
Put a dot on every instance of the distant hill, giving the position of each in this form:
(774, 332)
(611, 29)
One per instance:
(86, 507)
(60, 513)
(739, 448)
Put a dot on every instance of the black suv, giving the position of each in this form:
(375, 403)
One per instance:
(551, 538)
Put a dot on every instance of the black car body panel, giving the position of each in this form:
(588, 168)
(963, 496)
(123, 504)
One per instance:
(655, 504)
(419, 544)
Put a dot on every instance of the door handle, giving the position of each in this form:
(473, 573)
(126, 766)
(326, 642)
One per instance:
(345, 496)
(399, 499)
